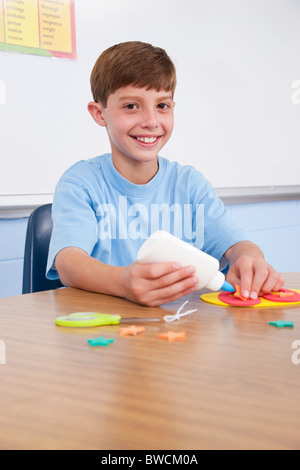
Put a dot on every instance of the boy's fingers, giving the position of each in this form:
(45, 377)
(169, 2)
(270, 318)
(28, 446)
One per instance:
(157, 270)
(273, 283)
(243, 278)
(279, 284)
(165, 282)
(258, 281)
(156, 297)
(169, 288)
(178, 286)
(246, 281)
(165, 274)
(255, 278)
(232, 277)
(174, 277)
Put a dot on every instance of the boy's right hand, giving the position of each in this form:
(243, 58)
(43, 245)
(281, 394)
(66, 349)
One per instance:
(158, 283)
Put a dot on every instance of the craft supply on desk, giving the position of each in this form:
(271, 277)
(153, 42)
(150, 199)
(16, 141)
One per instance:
(284, 295)
(238, 293)
(161, 246)
(131, 330)
(173, 335)
(101, 341)
(282, 324)
(93, 319)
(178, 314)
(268, 300)
(237, 300)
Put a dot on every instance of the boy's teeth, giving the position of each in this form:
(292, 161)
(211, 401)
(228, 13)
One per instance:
(147, 140)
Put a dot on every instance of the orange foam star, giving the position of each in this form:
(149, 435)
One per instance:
(131, 330)
(173, 335)
(238, 293)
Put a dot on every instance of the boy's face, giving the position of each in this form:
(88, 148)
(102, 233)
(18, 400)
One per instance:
(139, 122)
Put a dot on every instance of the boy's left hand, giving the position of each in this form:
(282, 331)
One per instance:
(249, 269)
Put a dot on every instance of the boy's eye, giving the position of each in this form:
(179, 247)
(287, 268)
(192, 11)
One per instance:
(130, 106)
(163, 106)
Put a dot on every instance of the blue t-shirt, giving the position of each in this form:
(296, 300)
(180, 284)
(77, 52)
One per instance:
(107, 216)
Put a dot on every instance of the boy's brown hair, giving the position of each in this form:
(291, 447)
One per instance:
(132, 63)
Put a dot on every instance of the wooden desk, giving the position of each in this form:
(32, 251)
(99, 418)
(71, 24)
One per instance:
(230, 385)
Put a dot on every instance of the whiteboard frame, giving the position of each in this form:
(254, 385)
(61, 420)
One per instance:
(21, 206)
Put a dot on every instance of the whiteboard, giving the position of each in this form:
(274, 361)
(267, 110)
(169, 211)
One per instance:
(237, 114)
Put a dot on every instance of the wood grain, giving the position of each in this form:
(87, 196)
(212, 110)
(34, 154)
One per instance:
(230, 385)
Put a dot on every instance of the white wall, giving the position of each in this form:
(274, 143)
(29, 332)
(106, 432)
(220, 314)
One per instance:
(237, 119)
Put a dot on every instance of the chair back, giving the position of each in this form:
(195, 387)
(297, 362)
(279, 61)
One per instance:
(37, 241)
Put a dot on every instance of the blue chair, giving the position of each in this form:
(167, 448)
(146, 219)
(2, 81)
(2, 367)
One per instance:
(37, 241)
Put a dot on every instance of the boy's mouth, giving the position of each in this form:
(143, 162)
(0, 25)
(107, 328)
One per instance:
(148, 140)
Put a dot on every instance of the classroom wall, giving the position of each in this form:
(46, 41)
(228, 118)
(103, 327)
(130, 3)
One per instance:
(12, 241)
(236, 100)
(275, 226)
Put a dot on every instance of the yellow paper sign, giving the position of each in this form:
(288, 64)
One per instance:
(44, 27)
(21, 23)
(55, 24)
(2, 38)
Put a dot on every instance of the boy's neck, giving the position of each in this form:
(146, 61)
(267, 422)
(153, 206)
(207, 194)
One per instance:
(135, 171)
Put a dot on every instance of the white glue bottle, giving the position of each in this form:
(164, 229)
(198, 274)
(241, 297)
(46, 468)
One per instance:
(161, 247)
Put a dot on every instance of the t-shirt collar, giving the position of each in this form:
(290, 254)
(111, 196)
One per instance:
(126, 187)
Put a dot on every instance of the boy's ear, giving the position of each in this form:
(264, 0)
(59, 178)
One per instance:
(96, 111)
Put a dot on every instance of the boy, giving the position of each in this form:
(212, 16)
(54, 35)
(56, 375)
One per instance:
(104, 208)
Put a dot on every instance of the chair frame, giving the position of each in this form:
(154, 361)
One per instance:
(38, 234)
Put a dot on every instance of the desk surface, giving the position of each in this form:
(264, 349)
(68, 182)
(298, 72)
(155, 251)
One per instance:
(230, 385)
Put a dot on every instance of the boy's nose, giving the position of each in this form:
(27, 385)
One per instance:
(149, 119)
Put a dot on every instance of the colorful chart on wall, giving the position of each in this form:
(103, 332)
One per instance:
(40, 27)
(226, 299)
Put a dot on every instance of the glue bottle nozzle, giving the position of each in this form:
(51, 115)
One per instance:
(228, 287)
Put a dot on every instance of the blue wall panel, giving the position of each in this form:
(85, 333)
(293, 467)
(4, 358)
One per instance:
(11, 277)
(12, 238)
(275, 227)
(12, 242)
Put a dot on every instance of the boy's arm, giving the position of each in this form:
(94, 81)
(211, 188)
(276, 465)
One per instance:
(147, 284)
(249, 269)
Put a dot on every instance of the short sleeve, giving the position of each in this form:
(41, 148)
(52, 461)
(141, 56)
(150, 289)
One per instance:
(74, 222)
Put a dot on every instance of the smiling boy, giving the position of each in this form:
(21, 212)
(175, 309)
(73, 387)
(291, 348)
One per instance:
(139, 123)
(104, 208)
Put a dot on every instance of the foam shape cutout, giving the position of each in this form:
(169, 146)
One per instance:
(275, 298)
(231, 299)
(131, 330)
(282, 324)
(213, 298)
(173, 335)
(100, 341)
(237, 293)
